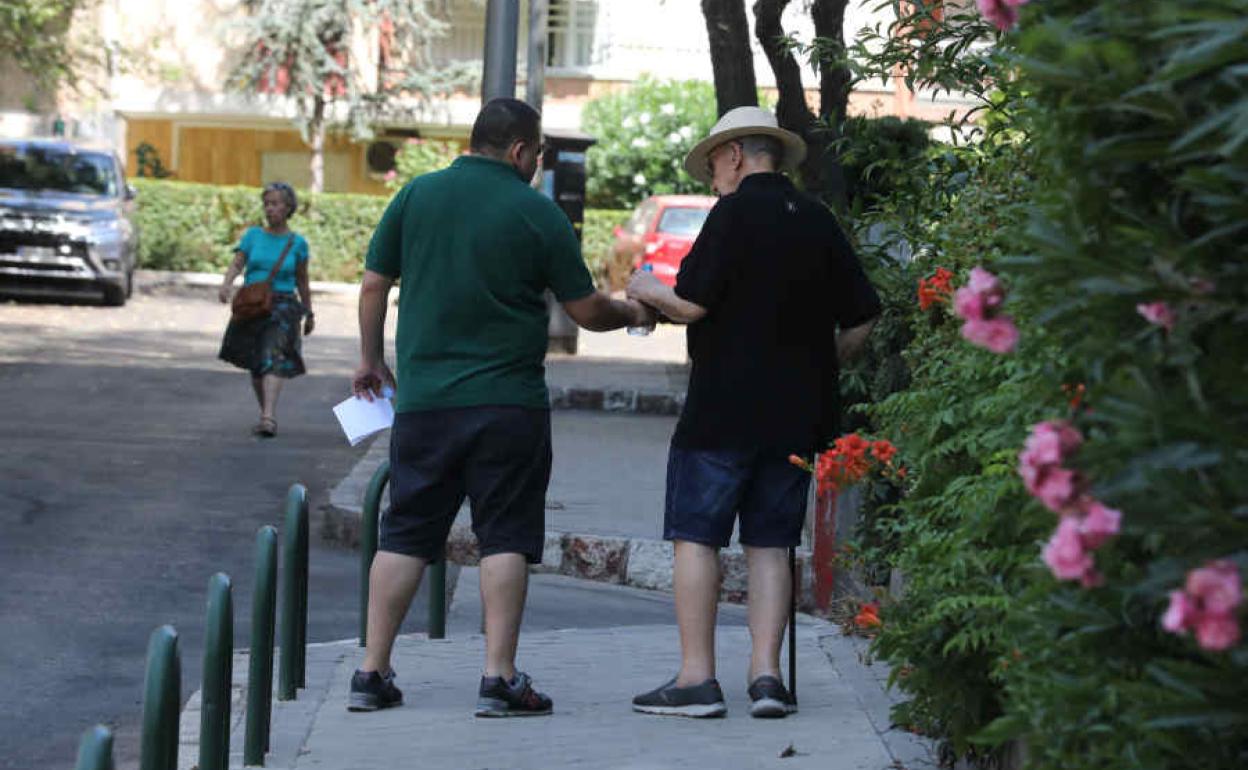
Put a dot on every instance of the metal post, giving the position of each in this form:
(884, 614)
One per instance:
(294, 592)
(162, 701)
(214, 714)
(437, 599)
(368, 538)
(95, 751)
(260, 666)
(502, 22)
(535, 78)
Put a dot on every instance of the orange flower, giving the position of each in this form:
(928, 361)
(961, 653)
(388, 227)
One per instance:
(936, 289)
(883, 450)
(868, 616)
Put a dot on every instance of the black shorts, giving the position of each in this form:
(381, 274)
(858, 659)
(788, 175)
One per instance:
(708, 489)
(496, 456)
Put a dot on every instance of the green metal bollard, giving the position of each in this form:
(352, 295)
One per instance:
(162, 702)
(95, 751)
(368, 538)
(214, 714)
(260, 665)
(294, 593)
(437, 599)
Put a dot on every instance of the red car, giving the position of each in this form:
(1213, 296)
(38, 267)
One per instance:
(661, 232)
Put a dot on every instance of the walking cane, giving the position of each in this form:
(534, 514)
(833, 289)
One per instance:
(793, 624)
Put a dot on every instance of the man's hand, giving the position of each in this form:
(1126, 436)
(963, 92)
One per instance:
(223, 294)
(643, 315)
(370, 379)
(645, 287)
(309, 323)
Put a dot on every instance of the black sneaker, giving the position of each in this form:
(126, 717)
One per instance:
(371, 691)
(699, 700)
(517, 698)
(770, 699)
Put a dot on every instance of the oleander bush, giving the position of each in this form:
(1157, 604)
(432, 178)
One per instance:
(1069, 397)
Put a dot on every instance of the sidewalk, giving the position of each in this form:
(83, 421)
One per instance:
(592, 675)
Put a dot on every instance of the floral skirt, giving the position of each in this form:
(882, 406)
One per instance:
(270, 344)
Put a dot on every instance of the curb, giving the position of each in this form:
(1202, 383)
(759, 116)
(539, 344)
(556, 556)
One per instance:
(636, 562)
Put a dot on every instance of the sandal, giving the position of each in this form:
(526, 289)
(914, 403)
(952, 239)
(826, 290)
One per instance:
(266, 428)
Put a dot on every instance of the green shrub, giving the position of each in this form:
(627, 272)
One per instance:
(420, 156)
(1109, 174)
(194, 227)
(643, 136)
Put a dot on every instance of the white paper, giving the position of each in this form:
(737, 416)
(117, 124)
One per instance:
(360, 418)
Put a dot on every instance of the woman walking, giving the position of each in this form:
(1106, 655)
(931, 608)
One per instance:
(269, 346)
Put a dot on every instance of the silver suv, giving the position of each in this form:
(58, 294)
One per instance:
(65, 221)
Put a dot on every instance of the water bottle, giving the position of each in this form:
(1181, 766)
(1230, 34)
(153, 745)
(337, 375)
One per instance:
(643, 331)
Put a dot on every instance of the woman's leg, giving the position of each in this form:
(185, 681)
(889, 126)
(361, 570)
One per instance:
(271, 388)
(257, 385)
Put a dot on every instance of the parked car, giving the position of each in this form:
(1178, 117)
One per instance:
(661, 232)
(65, 221)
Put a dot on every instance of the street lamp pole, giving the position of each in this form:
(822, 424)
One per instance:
(502, 22)
(536, 78)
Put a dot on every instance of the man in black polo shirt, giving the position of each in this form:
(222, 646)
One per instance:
(476, 248)
(774, 298)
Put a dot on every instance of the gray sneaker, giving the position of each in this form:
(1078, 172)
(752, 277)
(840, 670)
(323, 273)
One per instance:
(372, 691)
(498, 697)
(770, 699)
(699, 700)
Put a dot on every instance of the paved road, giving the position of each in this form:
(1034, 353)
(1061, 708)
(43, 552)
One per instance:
(128, 477)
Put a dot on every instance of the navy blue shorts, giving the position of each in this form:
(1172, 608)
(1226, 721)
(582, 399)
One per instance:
(496, 456)
(708, 489)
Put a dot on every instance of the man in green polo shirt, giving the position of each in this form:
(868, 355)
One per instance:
(476, 248)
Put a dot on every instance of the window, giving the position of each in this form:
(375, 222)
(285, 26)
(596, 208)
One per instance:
(570, 33)
(683, 221)
(641, 218)
(57, 169)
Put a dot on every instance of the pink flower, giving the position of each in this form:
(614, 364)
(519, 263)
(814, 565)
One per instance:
(1216, 587)
(1158, 314)
(1002, 13)
(968, 304)
(1217, 631)
(999, 335)
(1064, 553)
(1057, 488)
(1052, 441)
(1180, 615)
(1016, 3)
(986, 285)
(1099, 524)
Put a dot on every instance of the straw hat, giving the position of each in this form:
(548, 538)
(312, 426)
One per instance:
(742, 122)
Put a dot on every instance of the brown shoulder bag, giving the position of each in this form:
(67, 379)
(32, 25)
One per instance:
(255, 300)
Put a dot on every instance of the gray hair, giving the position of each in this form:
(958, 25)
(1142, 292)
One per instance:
(288, 194)
(762, 144)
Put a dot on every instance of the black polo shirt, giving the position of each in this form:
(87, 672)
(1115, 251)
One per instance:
(777, 277)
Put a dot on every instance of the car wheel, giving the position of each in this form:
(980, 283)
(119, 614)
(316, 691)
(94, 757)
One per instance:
(115, 294)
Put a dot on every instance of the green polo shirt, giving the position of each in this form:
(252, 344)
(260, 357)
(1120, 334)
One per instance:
(475, 248)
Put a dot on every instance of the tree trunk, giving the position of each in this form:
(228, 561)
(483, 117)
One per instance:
(821, 172)
(728, 31)
(834, 85)
(316, 132)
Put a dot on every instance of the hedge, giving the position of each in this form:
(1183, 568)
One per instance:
(193, 227)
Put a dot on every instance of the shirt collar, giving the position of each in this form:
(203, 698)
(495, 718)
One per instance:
(486, 162)
(767, 180)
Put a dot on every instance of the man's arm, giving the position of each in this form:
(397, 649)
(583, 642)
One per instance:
(850, 342)
(599, 313)
(647, 289)
(373, 374)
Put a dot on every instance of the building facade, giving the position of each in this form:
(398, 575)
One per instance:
(177, 104)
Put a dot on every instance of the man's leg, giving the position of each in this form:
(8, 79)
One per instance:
(504, 584)
(695, 578)
(392, 583)
(770, 585)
